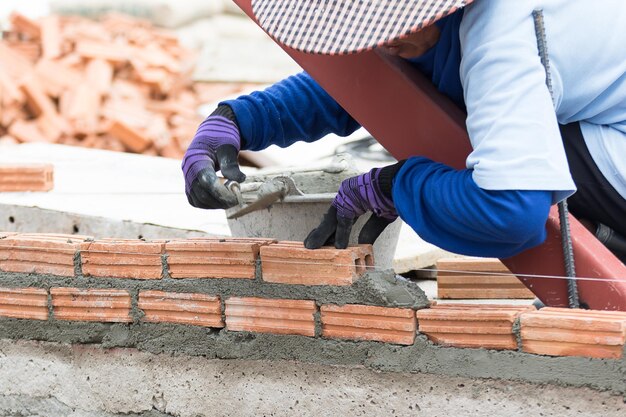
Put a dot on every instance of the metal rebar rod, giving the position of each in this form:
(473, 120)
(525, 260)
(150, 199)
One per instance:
(566, 237)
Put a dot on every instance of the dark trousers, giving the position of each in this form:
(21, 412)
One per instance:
(596, 200)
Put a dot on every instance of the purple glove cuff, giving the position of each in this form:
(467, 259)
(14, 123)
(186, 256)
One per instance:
(214, 131)
(360, 194)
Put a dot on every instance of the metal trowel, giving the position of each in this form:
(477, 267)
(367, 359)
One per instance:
(268, 193)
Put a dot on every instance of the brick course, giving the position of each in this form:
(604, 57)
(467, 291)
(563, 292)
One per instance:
(122, 258)
(463, 285)
(213, 257)
(469, 325)
(568, 332)
(276, 316)
(40, 253)
(24, 303)
(104, 305)
(360, 322)
(292, 263)
(183, 308)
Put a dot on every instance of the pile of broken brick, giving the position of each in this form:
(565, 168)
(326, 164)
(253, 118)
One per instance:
(79, 279)
(118, 84)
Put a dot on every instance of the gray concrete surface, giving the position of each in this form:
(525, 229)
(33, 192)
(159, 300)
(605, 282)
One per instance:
(45, 379)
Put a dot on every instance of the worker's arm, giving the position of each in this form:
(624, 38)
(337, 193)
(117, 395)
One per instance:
(447, 208)
(292, 110)
(499, 205)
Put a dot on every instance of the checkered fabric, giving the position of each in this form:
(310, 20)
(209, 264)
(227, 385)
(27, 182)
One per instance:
(338, 27)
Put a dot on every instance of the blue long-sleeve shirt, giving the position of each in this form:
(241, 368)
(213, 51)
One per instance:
(446, 207)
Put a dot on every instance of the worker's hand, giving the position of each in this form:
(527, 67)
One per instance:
(356, 196)
(215, 147)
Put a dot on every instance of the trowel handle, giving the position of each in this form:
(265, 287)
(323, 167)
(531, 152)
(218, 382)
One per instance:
(235, 188)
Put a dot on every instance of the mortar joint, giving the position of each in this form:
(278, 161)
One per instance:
(135, 312)
(317, 318)
(165, 271)
(517, 332)
(78, 264)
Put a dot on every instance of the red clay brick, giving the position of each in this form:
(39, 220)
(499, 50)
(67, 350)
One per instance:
(56, 78)
(473, 285)
(24, 303)
(276, 316)
(116, 54)
(99, 74)
(40, 253)
(568, 332)
(105, 305)
(360, 322)
(474, 326)
(183, 308)
(213, 257)
(51, 37)
(36, 98)
(27, 132)
(291, 263)
(121, 258)
(132, 138)
(30, 177)
(25, 25)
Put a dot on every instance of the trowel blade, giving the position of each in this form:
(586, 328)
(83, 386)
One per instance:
(263, 202)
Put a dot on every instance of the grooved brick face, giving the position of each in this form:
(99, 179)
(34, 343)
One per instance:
(471, 325)
(264, 315)
(121, 258)
(567, 332)
(183, 308)
(471, 284)
(213, 257)
(360, 322)
(30, 177)
(104, 305)
(40, 253)
(292, 263)
(24, 303)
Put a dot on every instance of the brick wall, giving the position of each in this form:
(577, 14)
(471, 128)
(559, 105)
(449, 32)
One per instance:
(258, 286)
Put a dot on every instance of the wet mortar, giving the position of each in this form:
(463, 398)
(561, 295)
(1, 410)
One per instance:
(375, 288)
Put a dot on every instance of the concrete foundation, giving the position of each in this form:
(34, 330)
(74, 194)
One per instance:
(46, 379)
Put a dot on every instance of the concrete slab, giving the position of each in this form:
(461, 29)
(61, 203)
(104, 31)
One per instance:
(44, 379)
(121, 187)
